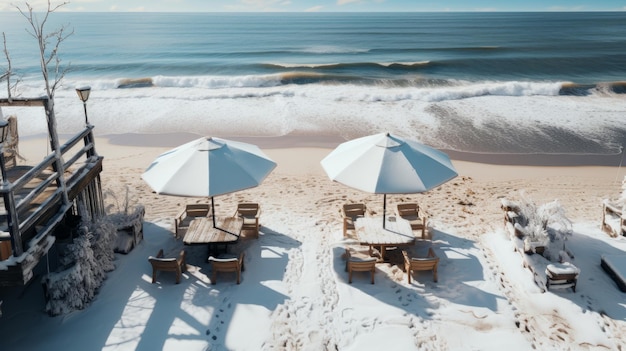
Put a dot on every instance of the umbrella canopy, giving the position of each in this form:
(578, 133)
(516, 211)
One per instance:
(387, 164)
(208, 167)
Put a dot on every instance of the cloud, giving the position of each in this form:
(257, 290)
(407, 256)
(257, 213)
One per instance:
(314, 9)
(344, 2)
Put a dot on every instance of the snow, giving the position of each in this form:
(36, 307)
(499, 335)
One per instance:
(288, 299)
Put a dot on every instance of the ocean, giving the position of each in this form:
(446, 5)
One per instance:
(509, 83)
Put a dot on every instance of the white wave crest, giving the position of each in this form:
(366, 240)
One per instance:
(217, 82)
(327, 49)
(467, 90)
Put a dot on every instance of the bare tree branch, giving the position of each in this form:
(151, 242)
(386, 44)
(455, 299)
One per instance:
(9, 70)
(48, 57)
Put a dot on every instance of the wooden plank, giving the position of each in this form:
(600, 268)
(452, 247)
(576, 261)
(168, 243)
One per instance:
(201, 231)
(23, 102)
(397, 231)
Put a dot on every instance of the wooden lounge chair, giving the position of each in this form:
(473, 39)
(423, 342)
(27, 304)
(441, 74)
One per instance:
(359, 262)
(428, 263)
(227, 263)
(411, 213)
(250, 213)
(350, 212)
(190, 210)
(160, 263)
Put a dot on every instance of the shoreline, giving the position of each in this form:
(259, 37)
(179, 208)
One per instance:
(301, 155)
(331, 141)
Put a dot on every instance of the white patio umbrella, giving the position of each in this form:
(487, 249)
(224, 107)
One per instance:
(208, 167)
(387, 164)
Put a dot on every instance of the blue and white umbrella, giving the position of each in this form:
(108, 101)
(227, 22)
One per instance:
(387, 164)
(208, 167)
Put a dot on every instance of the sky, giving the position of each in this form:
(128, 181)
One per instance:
(320, 5)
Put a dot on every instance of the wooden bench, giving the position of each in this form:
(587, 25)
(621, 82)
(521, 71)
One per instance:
(227, 264)
(160, 263)
(561, 275)
(428, 263)
(615, 267)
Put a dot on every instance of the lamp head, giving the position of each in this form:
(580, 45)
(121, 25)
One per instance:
(83, 93)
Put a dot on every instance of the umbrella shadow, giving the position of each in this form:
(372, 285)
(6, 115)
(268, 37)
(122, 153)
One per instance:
(387, 288)
(458, 272)
(264, 267)
(462, 271)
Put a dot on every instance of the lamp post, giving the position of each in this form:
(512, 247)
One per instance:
(83, 94)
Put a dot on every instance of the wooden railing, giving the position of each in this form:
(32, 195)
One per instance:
(28, 207)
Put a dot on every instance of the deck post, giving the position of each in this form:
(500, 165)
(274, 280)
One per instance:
(57, 166)
(9, 204)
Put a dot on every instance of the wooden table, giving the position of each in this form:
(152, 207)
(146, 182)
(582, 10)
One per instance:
(397, 232)
(202, 232)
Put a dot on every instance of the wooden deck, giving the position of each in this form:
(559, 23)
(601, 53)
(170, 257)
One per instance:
(397, 232)
(36, 198)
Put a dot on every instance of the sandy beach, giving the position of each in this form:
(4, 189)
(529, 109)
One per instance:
(294, 293)
(526, 99)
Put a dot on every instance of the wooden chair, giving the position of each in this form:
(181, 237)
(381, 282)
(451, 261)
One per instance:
(359, 262)
(250, 213)
(411, 213)
(428, 263)
(190, 210)
(350, 212)
(227, 264)
(160, 263)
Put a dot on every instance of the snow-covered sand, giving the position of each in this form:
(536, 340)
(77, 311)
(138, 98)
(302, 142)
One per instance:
(294, 293)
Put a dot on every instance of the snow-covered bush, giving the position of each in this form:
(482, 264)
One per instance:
(545, 226)
(89, 257)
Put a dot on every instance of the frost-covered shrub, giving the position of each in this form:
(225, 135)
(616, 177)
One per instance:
(546, 226)
(89, 257)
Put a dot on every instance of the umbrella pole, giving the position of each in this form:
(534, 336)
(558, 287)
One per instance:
(213, 211)
(384, 208)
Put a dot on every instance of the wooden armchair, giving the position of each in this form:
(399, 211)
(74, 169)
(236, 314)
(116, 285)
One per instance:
(250, 213)
(350, 212)
(191, 210)
(428, 263)
(227, 264)
(359, 262)
(411, 213)
(160, 263)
